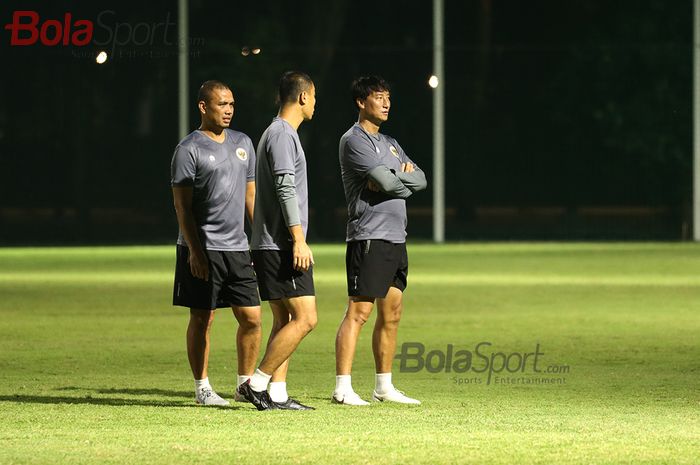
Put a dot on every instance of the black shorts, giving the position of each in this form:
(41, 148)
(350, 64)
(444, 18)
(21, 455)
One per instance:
(277, 278)
(373, 266)
(231, 281)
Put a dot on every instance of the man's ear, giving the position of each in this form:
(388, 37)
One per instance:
(303, 97)
(360, 103)
(202, 107)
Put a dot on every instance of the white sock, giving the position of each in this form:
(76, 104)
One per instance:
(382, 383)
(278, 391)
(259, 380)
(200, 384)
(242, 379)
(343, 384)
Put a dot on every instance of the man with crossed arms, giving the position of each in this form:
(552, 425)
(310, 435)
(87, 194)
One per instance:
(377, 177)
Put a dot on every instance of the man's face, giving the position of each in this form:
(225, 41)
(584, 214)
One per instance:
(310, 103)
(219, 109)
(376, 106)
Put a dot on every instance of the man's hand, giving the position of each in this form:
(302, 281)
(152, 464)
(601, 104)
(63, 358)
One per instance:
(199, 265)
(407, 167)
(303, 257)
(372, 186)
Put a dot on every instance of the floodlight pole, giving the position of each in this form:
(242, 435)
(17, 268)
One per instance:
(183, 68)
(439, 124)
(696, 120)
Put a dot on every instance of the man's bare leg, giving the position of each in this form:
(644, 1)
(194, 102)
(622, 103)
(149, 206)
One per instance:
(198, 341)
(248, 338)
(303, 319)
(386, 328)
(279, 348)
(357, 313)
(278, 383)
(198, 331)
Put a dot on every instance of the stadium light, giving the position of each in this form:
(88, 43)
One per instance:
(433, 81)
(101, 57)
(246, 51)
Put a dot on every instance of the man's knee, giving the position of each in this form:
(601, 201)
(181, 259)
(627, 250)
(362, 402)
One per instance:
(201, 320)
(303, 311)
(391, 314)
(250, 321)
(306, 322)
(360, 311)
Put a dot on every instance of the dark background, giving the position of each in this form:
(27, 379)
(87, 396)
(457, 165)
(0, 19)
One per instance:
(564, 119)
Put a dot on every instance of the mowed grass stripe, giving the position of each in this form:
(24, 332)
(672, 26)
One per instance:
(330, 278)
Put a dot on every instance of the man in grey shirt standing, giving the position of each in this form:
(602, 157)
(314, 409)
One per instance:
(377, 177)
(213, 184)
(282, 259)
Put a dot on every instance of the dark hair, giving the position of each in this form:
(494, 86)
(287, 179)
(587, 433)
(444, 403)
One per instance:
(206, 91)
(293, 83)
(365, 85)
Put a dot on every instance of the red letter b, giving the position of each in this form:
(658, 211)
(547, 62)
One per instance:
(16, 26)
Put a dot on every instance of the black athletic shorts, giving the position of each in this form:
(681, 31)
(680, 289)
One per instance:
(277, 278)
(373, 266)
(231, 281)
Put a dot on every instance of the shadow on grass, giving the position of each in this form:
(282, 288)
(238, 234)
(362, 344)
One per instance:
(88, 400)
(326, 399)
(132, 392)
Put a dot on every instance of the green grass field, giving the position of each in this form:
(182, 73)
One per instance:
(93, 366)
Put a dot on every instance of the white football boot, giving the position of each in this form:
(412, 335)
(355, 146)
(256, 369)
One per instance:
(394, 395)
(209, 397)
(349, 398)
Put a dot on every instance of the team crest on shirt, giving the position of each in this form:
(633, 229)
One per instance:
(212, 158)
(241, 153)
(393, 151)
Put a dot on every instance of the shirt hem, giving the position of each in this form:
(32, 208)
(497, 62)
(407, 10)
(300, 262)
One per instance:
(221, 249)
(269, 247)
(375, 238)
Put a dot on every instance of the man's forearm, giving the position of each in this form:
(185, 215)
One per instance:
(250, 200)
(415, 180)
(285, 188)
(388, 182)
(182, 200)
(188, 227)
(297, 233)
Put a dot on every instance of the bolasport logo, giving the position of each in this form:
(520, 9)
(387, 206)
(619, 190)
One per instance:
(486, 365)
(118, 38)
(27, 28)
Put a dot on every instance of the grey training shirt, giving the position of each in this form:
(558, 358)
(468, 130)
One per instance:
(218, 174)
(279, 152)
(371, 215)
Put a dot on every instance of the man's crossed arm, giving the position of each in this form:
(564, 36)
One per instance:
(400, 185)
